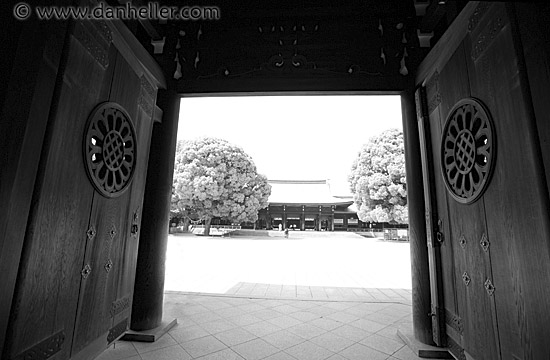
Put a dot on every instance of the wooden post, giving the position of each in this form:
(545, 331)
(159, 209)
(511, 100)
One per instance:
(421, 305)
(149, 286)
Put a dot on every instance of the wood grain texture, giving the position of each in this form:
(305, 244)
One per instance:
(433, 229)
(45, 349)
(127, 88)
(443, 50)
(109, 217)
(447, 248)
(31, 86)
(468, 221)
(469, 302)
(94, 305)
(149, 285)
(535, 37)
(104, 289)
(93, 349)
(417, 224)
(49, 277)
(136, 56)
(517, 219)
(129, 260)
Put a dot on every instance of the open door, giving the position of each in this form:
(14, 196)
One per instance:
(76, 278)
(484, 194)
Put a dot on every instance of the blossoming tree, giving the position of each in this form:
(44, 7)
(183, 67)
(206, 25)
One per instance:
(213, 178)
(377, 179)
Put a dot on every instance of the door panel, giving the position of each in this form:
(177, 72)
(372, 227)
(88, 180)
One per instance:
(446, 248)
(433, 231)
(122, 305)
(501, 239)
(516, 220)
(125, 91)
(47, 291)
(467, 226)
(141, 97)
(105, 254)
(77, 271)
(93, 318)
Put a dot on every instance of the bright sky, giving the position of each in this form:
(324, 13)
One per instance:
(294, 137)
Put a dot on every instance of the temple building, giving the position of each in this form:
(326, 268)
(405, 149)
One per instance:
(307, 205)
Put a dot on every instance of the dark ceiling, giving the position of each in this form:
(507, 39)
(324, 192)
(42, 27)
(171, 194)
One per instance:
(285, 45)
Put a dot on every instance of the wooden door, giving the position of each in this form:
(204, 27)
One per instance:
(75, 284)
(111, 253)
(109, 223)
(465, 266)
(489, 191)
(46, 297)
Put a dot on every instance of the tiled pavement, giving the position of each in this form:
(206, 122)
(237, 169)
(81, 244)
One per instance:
(305, 292)
(236, 327)
(344, 298)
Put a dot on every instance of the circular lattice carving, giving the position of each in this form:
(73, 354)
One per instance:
(110, 149)
(468, 150)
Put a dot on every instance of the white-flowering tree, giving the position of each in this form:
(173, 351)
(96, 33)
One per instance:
(213, 178)
(178, 211)
(377, 179)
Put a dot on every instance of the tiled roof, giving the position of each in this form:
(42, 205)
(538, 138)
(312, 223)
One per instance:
(303, 192)
(352, 209)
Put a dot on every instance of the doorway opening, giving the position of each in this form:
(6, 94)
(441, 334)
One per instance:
(304, 140)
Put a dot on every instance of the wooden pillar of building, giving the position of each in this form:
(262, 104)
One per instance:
(332, 208)
(421, 303)
(149, 286)
(303, 219)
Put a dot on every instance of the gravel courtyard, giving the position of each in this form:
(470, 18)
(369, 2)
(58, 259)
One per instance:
(308, 264)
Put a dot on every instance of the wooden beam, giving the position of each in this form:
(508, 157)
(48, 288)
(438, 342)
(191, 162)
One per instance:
(150, 29)
(344, 84)
(145, 23)
(434, 13)
(440, 53)
(136, 55)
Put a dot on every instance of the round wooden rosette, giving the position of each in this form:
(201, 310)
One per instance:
(468, 150)
(110, 149)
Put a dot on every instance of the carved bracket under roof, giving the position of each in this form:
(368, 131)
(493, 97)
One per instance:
(361, 40)
(267, 51)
